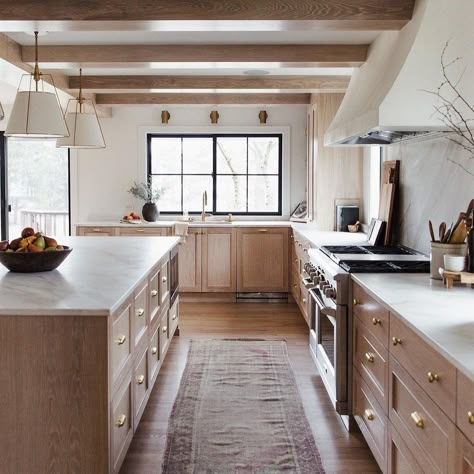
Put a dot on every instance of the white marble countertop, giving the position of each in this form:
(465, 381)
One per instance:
(442, 317)
(96, 278)
(321, 237)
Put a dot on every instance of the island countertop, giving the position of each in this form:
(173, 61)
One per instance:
(96, 278)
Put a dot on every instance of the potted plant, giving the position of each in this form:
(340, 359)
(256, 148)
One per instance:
(151, 195)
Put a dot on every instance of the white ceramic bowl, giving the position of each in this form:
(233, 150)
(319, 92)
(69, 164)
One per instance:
(454, 263)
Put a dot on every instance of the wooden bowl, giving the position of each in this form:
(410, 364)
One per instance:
(31, 262)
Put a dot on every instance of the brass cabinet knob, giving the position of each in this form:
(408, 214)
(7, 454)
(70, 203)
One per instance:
(154, 293)
(370, 357)
(154, 350)
(296, 260)
(355, 302)
(304, 300)
(165, 329)
(164, 279)
(121, 421)
(140, 312)
(174, 317)
(418, 420)
(396, 341)
(369, 414)
(432, 377)
(140, 379)
(120, 340)
(470, 416)
(294, 286)
(376, 321)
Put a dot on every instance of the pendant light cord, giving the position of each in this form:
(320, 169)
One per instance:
(80, 98)
(36, 70)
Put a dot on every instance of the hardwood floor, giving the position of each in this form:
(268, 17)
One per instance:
(341, 452)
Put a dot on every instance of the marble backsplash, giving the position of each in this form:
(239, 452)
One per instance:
(436, 183)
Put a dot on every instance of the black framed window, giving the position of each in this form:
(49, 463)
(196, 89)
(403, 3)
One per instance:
(242, 173)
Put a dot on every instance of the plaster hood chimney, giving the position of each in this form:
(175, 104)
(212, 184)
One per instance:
(386, 100)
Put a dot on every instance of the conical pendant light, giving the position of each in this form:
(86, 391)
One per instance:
(36, 113)
(83, 124)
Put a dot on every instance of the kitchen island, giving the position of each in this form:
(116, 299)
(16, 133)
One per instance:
(80, 350)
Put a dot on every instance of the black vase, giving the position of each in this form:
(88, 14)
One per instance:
(150, 212)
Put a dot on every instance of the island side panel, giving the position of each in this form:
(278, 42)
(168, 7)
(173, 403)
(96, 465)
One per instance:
(53, 394)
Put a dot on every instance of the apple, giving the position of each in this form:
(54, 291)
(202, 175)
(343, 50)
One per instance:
(27, 232)
(3, 245)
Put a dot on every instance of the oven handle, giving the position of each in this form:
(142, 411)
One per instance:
(323, 309)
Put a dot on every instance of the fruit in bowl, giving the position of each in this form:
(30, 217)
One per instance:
(131, 217)
(32, 252)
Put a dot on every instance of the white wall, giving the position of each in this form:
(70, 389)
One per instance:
(100, 178)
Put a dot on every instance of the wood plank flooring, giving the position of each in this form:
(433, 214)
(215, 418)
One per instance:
(341, 452)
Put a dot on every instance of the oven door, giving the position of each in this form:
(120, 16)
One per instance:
(328, 345)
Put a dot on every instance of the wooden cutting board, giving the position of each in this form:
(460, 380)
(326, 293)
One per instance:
(387, 195)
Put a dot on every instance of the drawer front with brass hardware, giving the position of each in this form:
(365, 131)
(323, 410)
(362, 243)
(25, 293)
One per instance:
(371, 313)
(120, 344)
(154, 295)
(419, 420)
(371, 360)
(140, 321)
(465, 406)
(86, 231)
(371, 419)
(136, 231)
(430, 370)
(164, 332)
(464, 454)
(155, 353)
(121, 423)
(164, 281)
(141, 385)
(174, 317)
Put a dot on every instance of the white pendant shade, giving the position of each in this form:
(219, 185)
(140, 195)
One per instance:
(84, 130)
(36, 114)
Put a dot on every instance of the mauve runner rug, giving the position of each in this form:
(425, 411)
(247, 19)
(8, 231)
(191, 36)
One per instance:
(238, 410)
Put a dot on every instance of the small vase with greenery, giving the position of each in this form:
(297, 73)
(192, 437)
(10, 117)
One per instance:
(151, 195)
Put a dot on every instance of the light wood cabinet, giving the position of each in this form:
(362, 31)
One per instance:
(219, 252)
(465, 406)
(262, 260)
(92, 231)
(464, 455)
(190, 262)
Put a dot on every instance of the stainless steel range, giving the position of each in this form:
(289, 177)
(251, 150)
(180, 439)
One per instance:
(327, 277)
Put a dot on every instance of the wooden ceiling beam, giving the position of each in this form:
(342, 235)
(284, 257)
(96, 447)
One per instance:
(332, 55)
(307, 83)
(207, 99)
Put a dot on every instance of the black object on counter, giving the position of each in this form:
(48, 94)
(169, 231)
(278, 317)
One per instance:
(470, 246)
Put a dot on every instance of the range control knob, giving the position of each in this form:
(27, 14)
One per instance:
(330, 292)
(316, 279)
(322, 284)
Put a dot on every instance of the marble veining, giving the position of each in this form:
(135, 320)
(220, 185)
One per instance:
(444, 318)
(96, 278)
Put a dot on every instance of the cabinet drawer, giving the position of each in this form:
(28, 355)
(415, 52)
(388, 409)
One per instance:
(164, 332)
(134, 231)
(155, 297)
(141, 386)
(400, 459)
(95, 231)
(371, 360)
(174, 318)
(121, 429)
(430, 370)
(155, 353)
(164, 281)
(140, 313)
(464, 454)
(121, 341)
(421, 423)
(371, 313)
(465, 406)
(371, 419)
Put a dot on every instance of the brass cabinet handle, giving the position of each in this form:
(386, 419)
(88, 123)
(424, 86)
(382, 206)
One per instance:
(396, 341)
(370, 357)
(355, 302)
(165, 328)
(418, 420)
(376, 321)
(470, 416)
(121, 421)
(296, 260)
(294, 286)
(139, 230)
(369, 414)
(164, 279)
(140, 312)
(263, 230)
(96, 230)
(154, 350)
(154, 293)
(432, 377)
(304, 300)
(140, 379)
(120, 340)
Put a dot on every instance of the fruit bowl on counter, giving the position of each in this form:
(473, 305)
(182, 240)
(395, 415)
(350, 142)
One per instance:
(32, 252)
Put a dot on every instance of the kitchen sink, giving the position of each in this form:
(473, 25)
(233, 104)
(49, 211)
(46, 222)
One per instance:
(211, 222)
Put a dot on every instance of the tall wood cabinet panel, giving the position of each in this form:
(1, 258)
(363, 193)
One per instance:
(262, 260)
(190, 262)
(219, 253)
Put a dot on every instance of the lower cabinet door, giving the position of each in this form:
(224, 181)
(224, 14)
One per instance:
(155, 354)
(174, 318)
(464, 455)
(164, 332)
(400, 458)
(141, 386)
(190, 262)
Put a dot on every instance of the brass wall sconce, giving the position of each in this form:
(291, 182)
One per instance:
(165, 116)
(214, 116)
(263, 116)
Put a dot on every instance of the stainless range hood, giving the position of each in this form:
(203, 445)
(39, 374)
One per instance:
(387, 100)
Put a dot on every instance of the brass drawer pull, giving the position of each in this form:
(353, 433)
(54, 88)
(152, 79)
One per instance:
(470, 416)
(165, 328)
(396, 341)
(121, 421)
(140, 379)
(355, 302)
(296, 260)
(432, 377)
(418, 420)
(376, 321)
(96, 230)
(120, 340)
(263, 230)
(139, 230)
(164, 279)
(304, 300)
(154, 350)
(294, 286)
(369, 414)
(154, 293)
(174, 317)
(370, 357)
(140, 312)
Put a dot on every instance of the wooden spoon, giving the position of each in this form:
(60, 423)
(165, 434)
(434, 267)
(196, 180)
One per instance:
(430, 225)
(442, 231)
(459, 232)
(448, 234)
